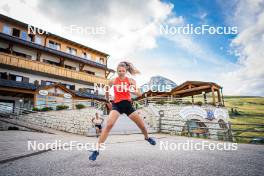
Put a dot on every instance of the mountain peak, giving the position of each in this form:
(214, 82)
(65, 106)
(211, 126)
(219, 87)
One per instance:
(158, 83)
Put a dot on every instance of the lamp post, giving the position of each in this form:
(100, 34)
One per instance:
(145, 100)
(20, 105)
(204, 95)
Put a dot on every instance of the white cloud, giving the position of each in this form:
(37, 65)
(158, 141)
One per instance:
(248, 77)
(131, 26)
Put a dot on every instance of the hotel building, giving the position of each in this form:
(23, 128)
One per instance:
(43, 70)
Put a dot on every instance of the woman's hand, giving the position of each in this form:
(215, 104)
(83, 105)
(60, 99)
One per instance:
(136, 91)
(109, 105)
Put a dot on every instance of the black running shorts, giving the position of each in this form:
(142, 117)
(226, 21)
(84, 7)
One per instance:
(124, 106)
(98, 126)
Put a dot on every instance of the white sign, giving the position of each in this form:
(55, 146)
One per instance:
(192, 110)
(43, 92)
(66, 95)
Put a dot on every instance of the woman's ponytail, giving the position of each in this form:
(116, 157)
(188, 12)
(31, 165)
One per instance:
(129, 67)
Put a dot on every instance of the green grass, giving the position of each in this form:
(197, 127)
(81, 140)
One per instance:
(250, 110)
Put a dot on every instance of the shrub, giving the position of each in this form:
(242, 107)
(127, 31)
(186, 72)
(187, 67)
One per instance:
(61, 107)
(176, 102)
(161, 102)
(47, 109)
(199, 103)
(35, 109)
(187, 102)
(79, 106)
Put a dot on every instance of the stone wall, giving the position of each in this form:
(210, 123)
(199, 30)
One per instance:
(176, 116)
(72, 121)
(79, 121)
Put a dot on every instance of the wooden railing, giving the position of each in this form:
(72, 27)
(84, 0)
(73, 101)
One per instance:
(175, 100)
(228, 133)
(28, 64)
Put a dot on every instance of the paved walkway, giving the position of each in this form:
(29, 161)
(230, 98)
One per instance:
(125, 155)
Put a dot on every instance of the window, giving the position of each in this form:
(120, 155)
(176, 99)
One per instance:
(46, 83)
(54, 45)
(89, 72)
(70, 67)
(102, 60)
(88, 56)
(38, 40)
(49, 83)
(26, 79)
(24, 35)
(97, 59)
(68, 86)
(6, 30)
(84, 55)
(51, 62)
(72, 87)
(71, 51)
(3, 75)
(16, 78)
(19, 78)
(22, 54)
(16, 32)
(88, 90)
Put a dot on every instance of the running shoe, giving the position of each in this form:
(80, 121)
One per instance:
(94, 155)
(151, 141)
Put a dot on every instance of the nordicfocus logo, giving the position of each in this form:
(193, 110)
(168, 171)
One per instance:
(201, 145)
(124, 87)
(59, 145)
(190, 29)
(72, 29)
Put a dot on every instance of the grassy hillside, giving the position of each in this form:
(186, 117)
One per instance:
(246, 110)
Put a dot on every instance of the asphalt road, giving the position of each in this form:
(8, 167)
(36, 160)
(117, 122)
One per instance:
(130, 155)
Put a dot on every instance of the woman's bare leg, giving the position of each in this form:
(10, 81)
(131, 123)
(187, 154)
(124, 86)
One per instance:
(139, 122)
(97, 131)
(113, 116)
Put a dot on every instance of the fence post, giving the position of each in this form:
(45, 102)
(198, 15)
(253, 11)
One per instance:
(188, 128)
(159, 124)
(230, 136)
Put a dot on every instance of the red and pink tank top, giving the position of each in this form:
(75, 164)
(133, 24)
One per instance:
(121, 90)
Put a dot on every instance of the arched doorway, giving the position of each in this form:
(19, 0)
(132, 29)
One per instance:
(195, 127)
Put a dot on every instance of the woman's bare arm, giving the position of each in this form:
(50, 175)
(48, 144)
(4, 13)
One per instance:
(110, 83)
(137, 91)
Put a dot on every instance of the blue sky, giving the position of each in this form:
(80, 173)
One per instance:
(208, 12)
(132, 33)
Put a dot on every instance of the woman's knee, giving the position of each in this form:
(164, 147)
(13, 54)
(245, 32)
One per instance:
(109, 126)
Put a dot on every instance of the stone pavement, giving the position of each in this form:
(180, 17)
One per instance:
(125, 155)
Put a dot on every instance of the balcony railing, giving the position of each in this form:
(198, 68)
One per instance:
(32, 65)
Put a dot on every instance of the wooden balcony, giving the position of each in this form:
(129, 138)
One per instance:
(31, 65)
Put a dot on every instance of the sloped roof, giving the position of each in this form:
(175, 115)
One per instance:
(186, 89)
(29, 86)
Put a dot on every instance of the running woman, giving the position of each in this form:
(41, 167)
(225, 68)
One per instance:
(122, 104)
(98, 121)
